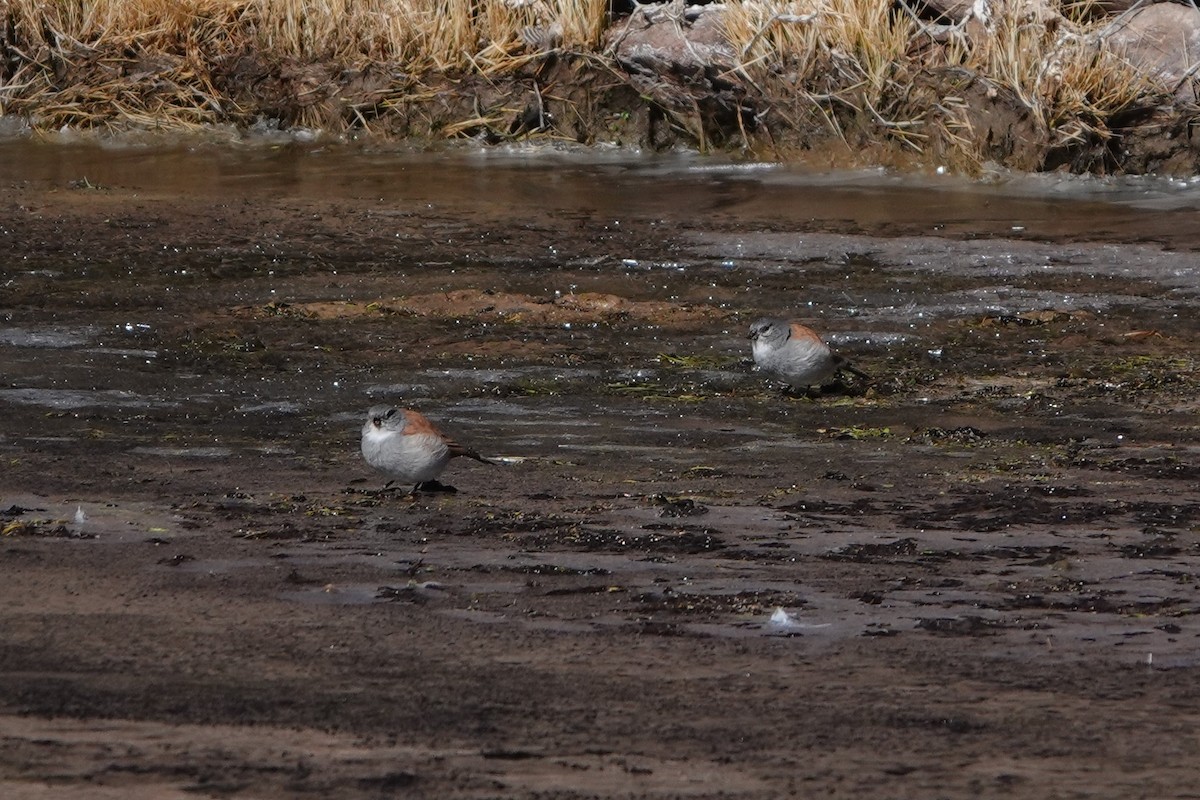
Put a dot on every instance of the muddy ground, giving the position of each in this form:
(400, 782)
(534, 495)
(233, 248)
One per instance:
(976, 577)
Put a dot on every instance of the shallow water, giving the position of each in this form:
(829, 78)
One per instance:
(215, 318)
(611, 185)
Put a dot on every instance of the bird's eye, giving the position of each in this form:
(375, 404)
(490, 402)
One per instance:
(391, 413)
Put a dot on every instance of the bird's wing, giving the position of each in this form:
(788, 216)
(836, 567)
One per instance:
(418, 423)
(802, 333)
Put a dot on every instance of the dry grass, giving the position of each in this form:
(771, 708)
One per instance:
(840, 64)
(852, 62)
(81, 60)
(1060, 70)
(444, 33)
(848, 64)
(861, 42)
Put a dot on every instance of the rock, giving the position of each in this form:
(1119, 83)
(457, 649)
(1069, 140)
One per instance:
(679, 57)
(1121, 6)
(987, 16)
(953, 10)
(1162, 41)
(1028, 10)
(672, 38)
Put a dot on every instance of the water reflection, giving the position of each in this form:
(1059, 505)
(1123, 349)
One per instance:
(565, 184)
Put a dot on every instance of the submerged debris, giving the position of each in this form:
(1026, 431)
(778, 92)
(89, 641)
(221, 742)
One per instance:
(48, 528)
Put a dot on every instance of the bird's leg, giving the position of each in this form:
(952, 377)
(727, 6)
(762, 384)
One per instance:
(385, 489)
(849, 388)
(805, 393)
(434, 486)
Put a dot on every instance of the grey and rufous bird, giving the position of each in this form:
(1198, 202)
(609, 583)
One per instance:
(406, 446)
(795, 354)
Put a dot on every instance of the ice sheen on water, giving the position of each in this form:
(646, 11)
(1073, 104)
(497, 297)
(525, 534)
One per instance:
(69, 399)
(50, 338)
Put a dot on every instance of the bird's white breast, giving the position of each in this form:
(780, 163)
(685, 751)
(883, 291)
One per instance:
(418, 457)
(798, 361)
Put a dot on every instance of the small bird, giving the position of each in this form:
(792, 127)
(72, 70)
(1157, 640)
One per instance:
(405, 445)
(796, 355)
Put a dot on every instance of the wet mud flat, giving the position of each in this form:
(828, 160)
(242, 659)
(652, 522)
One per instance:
(975, 577)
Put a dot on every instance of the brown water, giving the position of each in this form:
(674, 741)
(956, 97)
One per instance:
(189, 337)
(514, 182)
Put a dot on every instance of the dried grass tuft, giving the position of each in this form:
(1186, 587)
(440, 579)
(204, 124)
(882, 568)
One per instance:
(853, 64)
(853, 67)
(842, 59)
(1060, 70)
(133, 62)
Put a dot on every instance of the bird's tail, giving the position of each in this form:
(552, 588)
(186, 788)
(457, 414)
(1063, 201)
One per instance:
(844, 365)
(458, 451)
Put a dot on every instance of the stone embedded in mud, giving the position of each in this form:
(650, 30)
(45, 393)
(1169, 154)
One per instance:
(679, 507)
(680, 41)
(955, 10)
(983, 13)
(1121, 6)
(680, 57)
(1163, 42)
